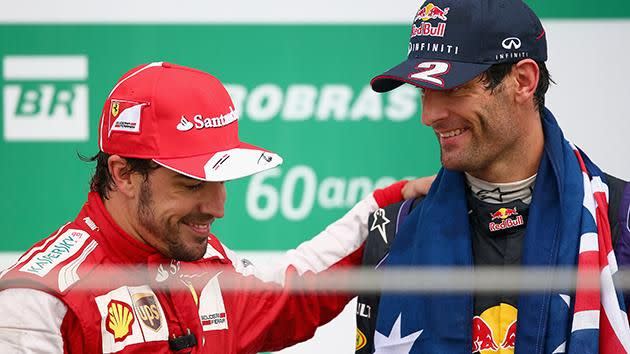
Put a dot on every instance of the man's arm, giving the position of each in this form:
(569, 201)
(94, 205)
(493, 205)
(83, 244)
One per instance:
(274, 316)
(31, 322)
(284, 316)
(339, 239)
(339, 245)
(336, 242)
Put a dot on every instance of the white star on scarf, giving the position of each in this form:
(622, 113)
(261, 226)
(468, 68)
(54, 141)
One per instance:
(393, 343)
(379, 223)
(562, 347)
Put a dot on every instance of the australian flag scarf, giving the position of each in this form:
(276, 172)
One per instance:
(567, 226)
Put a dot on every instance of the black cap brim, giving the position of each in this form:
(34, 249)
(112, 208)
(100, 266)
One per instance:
(436, 74)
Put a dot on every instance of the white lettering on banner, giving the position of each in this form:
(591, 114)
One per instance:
(299, 104)
(368, 105)
(45, 98)
(306, 176)
(264, 102)
(337, 102)
(402, 106)
(264, 200)
(331, 192)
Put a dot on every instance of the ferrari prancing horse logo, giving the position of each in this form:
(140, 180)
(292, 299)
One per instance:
(115, 109)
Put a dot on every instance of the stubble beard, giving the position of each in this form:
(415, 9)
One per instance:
(470, 159)
(173, 246)
(490, 142)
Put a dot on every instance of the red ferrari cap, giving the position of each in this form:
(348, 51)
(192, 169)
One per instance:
(181, 118)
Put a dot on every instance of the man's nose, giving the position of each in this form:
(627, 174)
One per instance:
(212, 199)
(434, 107)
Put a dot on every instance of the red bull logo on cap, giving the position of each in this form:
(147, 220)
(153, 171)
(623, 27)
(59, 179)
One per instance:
(432, 12)
(504, 216)
(494, 331)
(427, 13)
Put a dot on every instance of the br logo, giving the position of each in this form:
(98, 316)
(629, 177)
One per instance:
(45, 98)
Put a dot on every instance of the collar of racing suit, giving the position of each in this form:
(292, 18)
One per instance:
(498, 193)
(123, 246)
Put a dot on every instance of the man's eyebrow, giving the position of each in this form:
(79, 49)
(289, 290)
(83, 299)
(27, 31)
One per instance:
(185, 178)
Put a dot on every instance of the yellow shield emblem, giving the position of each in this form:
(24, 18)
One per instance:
(115, 108)
(119, 320)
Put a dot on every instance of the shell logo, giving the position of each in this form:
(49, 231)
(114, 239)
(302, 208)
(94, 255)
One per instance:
(119, 320)
(361, 341)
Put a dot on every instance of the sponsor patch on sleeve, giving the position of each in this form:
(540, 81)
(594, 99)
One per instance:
(64, 247)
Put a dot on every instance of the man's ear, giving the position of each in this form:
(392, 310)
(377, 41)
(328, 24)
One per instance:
(126, 183)
(526, 75)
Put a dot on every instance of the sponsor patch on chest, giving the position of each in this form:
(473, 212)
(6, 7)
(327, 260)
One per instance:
(505, 218)
(130, 315)
(211, 306)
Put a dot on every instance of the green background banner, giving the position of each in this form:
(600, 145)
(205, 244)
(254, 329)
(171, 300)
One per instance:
(580, 9)
(299, 73)
(302, 92)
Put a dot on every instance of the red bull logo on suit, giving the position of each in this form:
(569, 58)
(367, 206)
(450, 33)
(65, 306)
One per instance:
(505, 220)
(494, 331)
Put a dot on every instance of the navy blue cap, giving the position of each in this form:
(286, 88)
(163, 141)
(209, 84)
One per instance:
(453, 41)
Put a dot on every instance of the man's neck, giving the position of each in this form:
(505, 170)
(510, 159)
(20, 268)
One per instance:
(121, 214)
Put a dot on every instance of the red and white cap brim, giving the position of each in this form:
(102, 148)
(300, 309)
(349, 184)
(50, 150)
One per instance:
(242, 161)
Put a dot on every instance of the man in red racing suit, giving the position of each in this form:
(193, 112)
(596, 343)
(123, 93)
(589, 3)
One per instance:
(69, 309)
(138, 270)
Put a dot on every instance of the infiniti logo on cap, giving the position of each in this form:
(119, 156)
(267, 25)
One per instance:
(511, 43)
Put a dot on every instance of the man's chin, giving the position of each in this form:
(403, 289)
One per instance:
(191, 253)
(453, 165)
(457, 162)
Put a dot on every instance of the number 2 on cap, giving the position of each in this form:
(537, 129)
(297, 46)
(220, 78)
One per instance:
(430, 71)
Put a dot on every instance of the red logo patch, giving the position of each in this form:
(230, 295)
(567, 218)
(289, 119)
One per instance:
(505, 220)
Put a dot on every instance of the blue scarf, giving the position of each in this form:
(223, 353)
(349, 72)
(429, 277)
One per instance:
(437, 233)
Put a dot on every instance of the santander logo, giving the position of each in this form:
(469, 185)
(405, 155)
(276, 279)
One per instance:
(184, 125)
(201, 122)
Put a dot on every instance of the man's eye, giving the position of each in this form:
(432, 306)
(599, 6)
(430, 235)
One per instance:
(194, 187)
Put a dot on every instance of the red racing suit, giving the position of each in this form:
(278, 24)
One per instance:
(58, 299)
